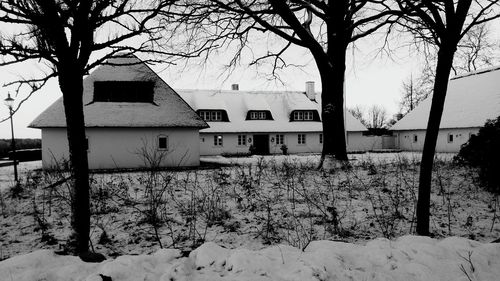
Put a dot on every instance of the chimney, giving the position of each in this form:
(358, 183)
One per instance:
(235, 87)
(310, 90)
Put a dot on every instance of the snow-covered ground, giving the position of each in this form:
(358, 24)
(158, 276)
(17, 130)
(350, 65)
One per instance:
(7, 172)
(407, 258)
(314, 158)
(251, 222)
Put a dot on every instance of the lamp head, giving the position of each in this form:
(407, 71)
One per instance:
(9, 102)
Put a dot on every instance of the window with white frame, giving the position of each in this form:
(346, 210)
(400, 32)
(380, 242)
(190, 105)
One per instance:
(242, 140)
(308, 115)
(215, 116)
(210, 115)
(298, 115)
(320, 138)
(280, 139)
(301, 138)
(450, 138)
(218, 140)
(303, 115)
(415, 138)
(258, 115)
(162, 142)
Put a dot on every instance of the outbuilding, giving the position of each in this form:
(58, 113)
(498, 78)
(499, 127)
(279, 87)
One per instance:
(471, 100)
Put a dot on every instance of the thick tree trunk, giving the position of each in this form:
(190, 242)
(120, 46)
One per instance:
(71, 84)
(332, 113)
(332, 72)
(443, 69)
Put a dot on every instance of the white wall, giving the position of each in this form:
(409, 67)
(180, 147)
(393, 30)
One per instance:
(356, 142)
(111, 148)
(404, 139)
(230, 144)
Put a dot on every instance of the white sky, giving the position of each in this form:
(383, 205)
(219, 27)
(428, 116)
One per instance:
(369, 81)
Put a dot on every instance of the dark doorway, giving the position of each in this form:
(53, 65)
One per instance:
(261, 144)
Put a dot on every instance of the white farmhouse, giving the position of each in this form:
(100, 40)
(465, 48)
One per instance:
(265, 121)
(130, 112)
(471, 100)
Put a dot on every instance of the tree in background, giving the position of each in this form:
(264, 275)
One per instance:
(326, 29)
(416, 89)
(476, 50)
(69, 38)
(375, 117)
(440, 25)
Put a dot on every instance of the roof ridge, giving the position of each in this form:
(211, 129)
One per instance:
(476, 72)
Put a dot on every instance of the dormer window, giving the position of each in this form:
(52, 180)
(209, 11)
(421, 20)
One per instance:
(124, 91)
(305, 115)
(213, 115)
(259, 115)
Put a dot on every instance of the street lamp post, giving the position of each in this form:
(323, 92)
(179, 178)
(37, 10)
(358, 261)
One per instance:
(9, 102)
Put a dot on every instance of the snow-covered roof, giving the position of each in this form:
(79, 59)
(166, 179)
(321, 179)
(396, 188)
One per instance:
(167, 110)
(281, 104)
(471, 100)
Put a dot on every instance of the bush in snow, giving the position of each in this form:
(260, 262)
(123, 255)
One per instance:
(483, 151)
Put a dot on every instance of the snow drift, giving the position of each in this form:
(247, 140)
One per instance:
(407, 258)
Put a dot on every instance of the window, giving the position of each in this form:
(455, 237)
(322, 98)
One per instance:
(123, 91)
(259, 115)
(242, 140)
(415, 138)
(163, 143)
(298, 115)
(301, 139)
(218, 140)
(211, 115)
(280, 139)
(215, 116)
(304, 115)
(320, 138)
(450, 138)
(205, 115)
(308, 115)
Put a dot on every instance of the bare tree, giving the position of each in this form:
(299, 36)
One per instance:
(416, 89)
(325, 29)
(441, 24)
(476, 50)
(67, 39)
(374, 118)
(377, 117)
(359, 113)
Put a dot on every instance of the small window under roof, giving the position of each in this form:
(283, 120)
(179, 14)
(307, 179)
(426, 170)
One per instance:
(124, 91)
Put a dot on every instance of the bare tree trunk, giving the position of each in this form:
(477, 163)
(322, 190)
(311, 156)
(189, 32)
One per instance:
(332, 115)
(332, 79)
(71, 84)
(443, 69)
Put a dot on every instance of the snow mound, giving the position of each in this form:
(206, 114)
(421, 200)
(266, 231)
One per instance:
(407, 258)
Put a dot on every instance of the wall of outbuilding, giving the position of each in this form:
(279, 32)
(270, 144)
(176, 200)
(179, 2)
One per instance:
(405, 140)
(111, 148)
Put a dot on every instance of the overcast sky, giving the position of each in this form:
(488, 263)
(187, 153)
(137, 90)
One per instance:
(370, 80)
